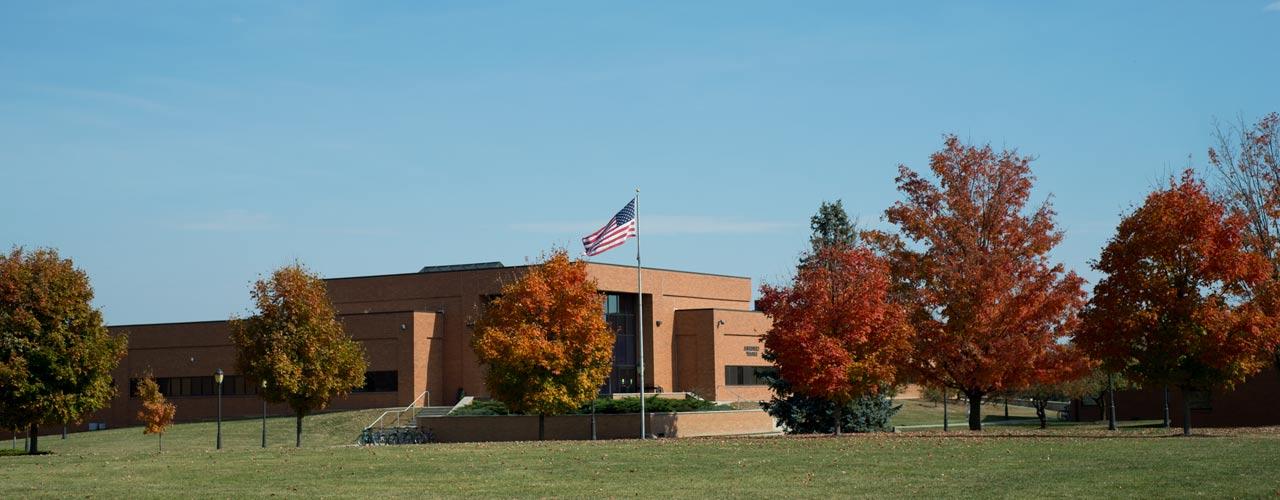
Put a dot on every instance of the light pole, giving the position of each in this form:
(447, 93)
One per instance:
(262, 393)
(217, 379)
(1111, 398)
(1166, 406)
(946, 422)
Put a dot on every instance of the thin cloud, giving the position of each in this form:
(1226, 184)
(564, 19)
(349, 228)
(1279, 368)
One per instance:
(666, 224)
(1273, 6)
(232, 221)
(114, 98)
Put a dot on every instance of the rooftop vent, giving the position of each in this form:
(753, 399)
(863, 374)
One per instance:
(462, 267)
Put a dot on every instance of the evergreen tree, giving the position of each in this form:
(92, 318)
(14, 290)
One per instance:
(800, 414)
(830, 226)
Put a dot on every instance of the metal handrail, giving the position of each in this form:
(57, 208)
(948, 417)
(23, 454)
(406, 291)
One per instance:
(735, 394)
(399, 413)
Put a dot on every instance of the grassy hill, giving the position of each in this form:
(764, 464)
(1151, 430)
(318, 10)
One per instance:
(1068, 460)
(325, 429)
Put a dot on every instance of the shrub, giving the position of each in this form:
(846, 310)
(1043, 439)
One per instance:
(801, 414)
(604, 406)
(653, 404)
(487, 407)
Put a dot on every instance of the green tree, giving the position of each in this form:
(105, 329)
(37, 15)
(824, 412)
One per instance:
(545, 341)
(296, 344)
(56, 355)
(832, 226)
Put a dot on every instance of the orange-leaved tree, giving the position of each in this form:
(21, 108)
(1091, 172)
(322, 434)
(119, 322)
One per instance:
(296, 344)
(156, 413)
(544, 340)
(1183, 302)
(986, 302)
(835, 333)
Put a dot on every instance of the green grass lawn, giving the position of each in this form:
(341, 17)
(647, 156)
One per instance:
(1003, 461)
(918, 412)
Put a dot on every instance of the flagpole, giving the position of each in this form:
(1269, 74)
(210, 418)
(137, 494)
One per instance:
(640, 315)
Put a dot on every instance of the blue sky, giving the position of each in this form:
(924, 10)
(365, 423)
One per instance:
(175, 152)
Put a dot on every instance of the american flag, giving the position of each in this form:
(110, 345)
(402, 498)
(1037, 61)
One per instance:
(614, 233)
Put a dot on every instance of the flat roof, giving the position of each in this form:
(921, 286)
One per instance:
(486, 267)
(168, 323)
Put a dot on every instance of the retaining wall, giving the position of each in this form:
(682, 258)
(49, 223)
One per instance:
(610, 426)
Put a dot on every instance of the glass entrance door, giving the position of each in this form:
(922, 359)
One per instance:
(620, 314)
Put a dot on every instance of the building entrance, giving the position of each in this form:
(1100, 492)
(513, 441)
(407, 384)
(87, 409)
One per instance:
(620, 313)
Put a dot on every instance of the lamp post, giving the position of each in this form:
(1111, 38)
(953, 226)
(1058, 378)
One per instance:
(946, 421)
(1111, 398)
(262, 393)
(217, 379)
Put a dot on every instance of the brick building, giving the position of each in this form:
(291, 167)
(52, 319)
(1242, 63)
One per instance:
(1252, 403)
(700, 333)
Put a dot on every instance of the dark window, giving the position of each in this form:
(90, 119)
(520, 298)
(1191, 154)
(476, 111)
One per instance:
(381, 381)
(746, 375)
(232, 385)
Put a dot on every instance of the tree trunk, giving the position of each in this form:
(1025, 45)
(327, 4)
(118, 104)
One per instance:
(34, 445)
(1186, 413)
(161, 441)
(839, 417)
(1040, 407)
(542, 426)
(298, 431)
(975, 411)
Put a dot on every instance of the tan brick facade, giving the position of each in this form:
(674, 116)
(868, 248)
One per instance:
(419, 325)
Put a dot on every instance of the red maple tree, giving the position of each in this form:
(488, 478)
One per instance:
(1183, 303)
(987, 304)
(835, 333)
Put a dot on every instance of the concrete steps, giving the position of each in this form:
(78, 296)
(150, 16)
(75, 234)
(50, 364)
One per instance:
(434, 411)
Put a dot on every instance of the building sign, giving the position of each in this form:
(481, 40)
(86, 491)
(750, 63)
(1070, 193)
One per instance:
(752, 350)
